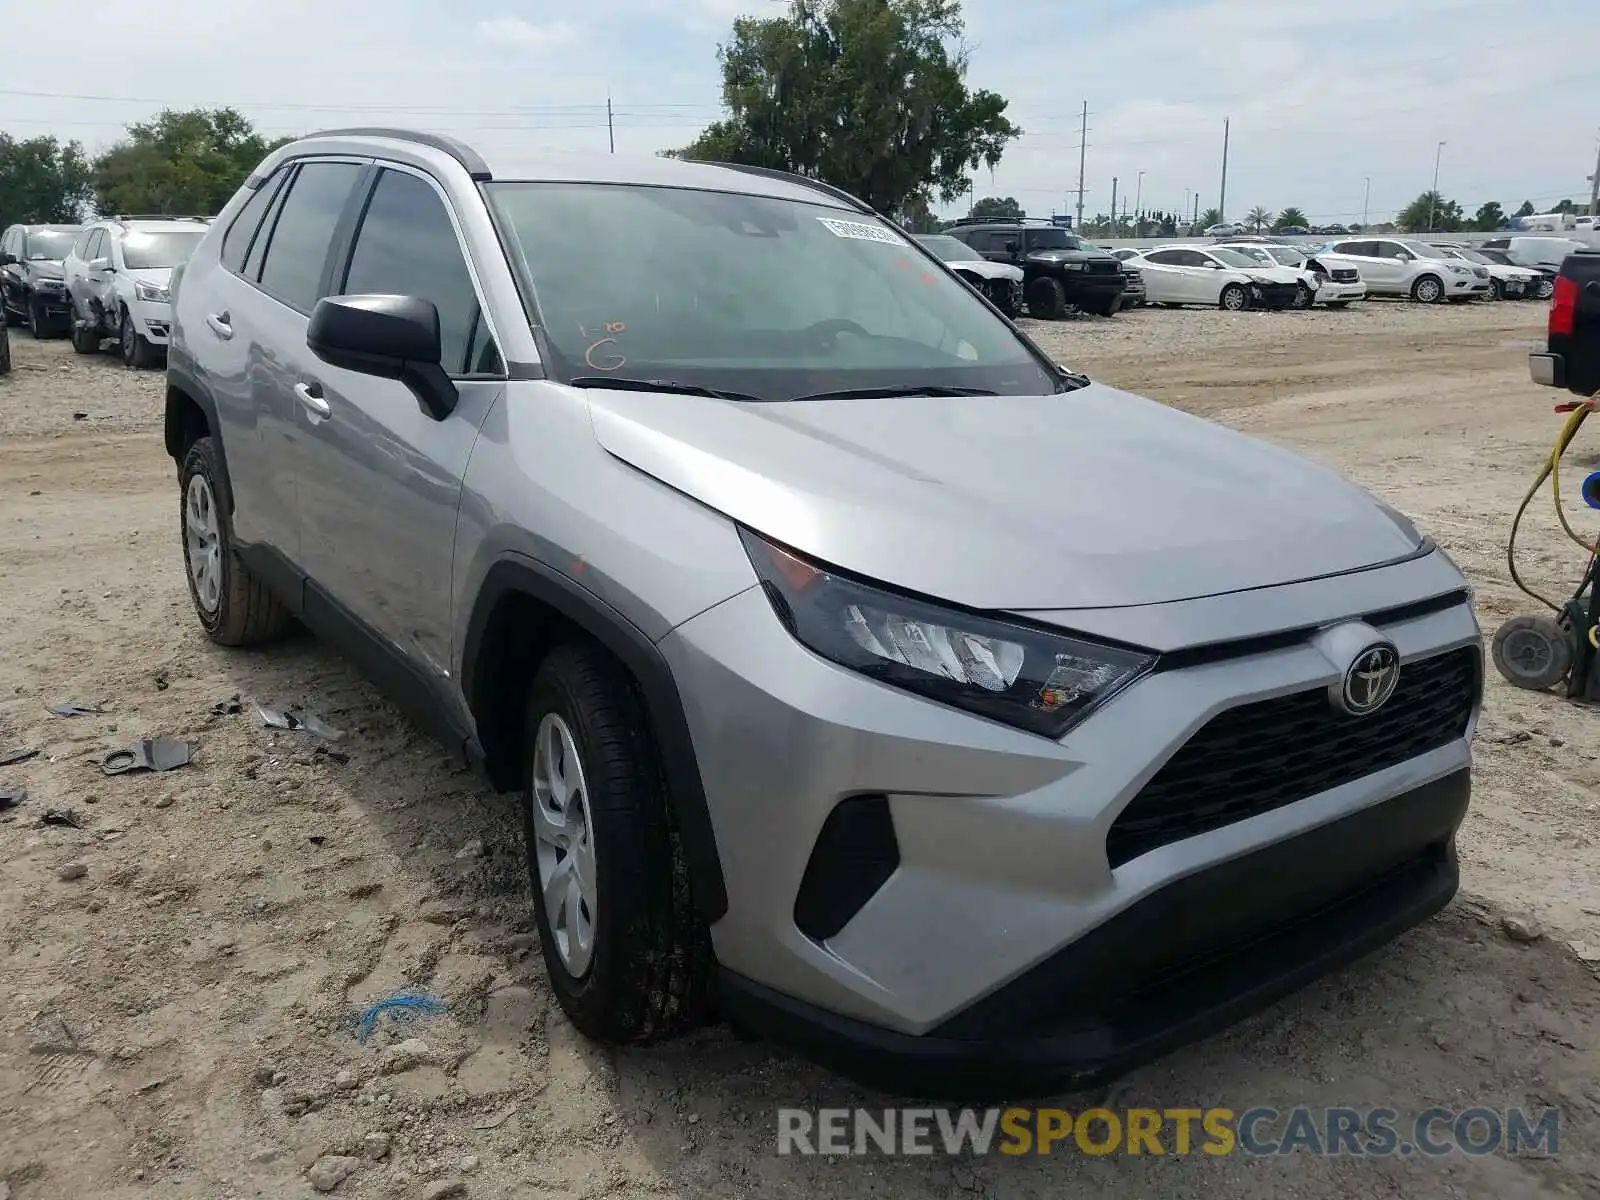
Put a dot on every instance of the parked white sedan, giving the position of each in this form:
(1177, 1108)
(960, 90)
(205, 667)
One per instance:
(1334, 286)
(1216, 277)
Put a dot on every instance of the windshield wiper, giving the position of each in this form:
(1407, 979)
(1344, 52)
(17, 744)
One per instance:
(675, 386)
(899, 389)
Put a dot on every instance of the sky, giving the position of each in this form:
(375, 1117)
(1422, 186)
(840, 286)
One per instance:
(1321, 95)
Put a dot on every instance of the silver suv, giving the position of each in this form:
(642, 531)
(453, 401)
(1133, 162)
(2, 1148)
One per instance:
(965, 724)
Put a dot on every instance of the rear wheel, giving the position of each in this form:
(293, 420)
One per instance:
(234, 607)
(1303, 296)
(85, 338)
(1047, 299)
(1545, 288)
(627, 956)
(1234, 298)
(1427, 290)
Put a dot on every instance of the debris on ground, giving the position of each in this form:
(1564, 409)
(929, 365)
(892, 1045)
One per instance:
(163, 680)
(405, 1006)
(298, 720)
(1515, 739)
(230, 707)
(402, 1057)
(496, 1120)
(1520, 929)
(150, 754)
(10, 758)
(11, 797)
(67, 872)
(471, 849)
(64, 817)
(376, 1145)
(333, 756)
(329, 1171)
(74, 708)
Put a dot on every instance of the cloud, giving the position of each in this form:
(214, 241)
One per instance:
(524, 35)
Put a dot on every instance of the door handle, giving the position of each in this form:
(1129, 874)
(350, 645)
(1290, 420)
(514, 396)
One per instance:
(218, 323)
(311, 400)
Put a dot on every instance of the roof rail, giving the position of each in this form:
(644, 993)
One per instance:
(157, 217)
(790, 177)
(460, 151)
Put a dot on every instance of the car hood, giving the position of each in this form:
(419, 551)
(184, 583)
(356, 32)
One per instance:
(159, 276)
(1061, 256)
(1092, 498)
(985, 269)
(1275, 274)
(45, 268)
(1501, 271)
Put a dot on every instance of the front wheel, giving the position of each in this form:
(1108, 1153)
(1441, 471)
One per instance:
(1234, 298)
(1497, 290)
(1545, 288)
(85, 338)
(235, 608)
(1304, 297)
(1047, 299)
(627, 956)
(136, 348)
(1427, 290)
(38, 323)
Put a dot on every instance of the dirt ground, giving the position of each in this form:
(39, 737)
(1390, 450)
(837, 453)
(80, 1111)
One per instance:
(177, 1020)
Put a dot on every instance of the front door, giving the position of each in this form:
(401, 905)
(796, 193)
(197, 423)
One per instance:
(379, 481)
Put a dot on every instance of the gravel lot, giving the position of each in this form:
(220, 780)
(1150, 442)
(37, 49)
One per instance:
(179, 1015)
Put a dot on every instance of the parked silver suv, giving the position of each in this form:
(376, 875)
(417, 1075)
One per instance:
(965, 724)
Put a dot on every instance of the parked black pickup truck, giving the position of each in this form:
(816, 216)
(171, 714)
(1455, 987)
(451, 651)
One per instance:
(1571, 357)
(1062, 273)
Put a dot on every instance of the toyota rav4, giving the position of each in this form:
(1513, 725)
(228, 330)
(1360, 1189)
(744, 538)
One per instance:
(866, 677)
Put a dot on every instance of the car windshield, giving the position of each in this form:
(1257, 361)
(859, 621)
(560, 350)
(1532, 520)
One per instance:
(1423, 250)
(50, 245)
(1235, 258)
(769, 297)
(1255, 253)
(145, 250)
(1055, 239)
(1287, 255)
(951, 249)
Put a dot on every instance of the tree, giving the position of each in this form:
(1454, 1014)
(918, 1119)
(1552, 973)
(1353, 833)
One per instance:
(1565, 206)
(1259, 218)
(184, 161)
(1445, 214)
(1292, 218)
(1489, 217)
(868, 95)
(1166, 225)
(998, 208)
(1211, 216)
(1527, 209)
(42, 181)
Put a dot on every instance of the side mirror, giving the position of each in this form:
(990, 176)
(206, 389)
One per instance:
(391, 337)
(7, 259)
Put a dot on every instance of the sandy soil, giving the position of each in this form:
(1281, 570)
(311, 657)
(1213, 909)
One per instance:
(178, 1019)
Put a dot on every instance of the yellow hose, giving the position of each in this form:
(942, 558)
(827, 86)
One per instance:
(1553, 469)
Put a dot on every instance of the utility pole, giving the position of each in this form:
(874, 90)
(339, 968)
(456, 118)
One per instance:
(1083, 146)
(1222, 200)
(1114, 227)
(1594, 187)
(1366, 202)
(1138, 207)
(1196, 220)
(1433, 196)
(611, 129)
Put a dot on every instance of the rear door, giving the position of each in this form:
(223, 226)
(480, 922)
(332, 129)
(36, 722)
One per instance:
(11, 272)
(97, 279)
(379, 478)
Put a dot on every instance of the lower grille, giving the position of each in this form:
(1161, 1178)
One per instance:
(1114, 267)
(1345, 275)
(1258, 757)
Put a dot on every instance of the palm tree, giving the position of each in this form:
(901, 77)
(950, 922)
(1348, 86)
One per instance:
(1259, 218)
(1291, 218)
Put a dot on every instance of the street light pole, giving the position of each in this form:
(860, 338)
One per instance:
(1366, 203)
(1138, 210)
(1433, 196)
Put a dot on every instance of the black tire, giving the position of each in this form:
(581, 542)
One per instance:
(1104, 308)
(1047, 299)
(85, 339)
(5, 352)
(1234, 298)
(38, 325)
(649, 971)
(1497, 290)
(1304, 297)
(1532, 652)
(245, 614)
(135, 348)
(1427, 289)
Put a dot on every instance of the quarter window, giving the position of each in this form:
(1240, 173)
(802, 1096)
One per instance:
(407, 246)
(236, 242)
(297, 250)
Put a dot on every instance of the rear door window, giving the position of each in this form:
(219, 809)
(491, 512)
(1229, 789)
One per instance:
(236, 242)
(297, 251)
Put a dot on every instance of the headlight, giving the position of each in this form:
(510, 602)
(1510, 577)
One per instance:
(149, 291)
(1033, 679)
(50, 285)
(1460, 270)
(1074, 266)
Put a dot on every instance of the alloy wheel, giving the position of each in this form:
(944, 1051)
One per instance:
(565, 843)
(202, 542)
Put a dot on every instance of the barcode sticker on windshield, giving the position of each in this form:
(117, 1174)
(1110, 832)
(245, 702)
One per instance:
(862, 233)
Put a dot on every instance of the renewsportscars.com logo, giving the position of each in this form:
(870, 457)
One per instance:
(1261, 1131)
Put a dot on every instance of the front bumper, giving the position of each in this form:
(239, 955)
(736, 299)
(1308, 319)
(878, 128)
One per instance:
(1276, 296)
(1001, 837)
(52, 302)
(1188, 961)
(153, 320)
(1466, 285)
(1331, 292)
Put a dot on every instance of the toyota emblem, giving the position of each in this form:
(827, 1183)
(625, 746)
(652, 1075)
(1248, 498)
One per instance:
(1369, 681)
